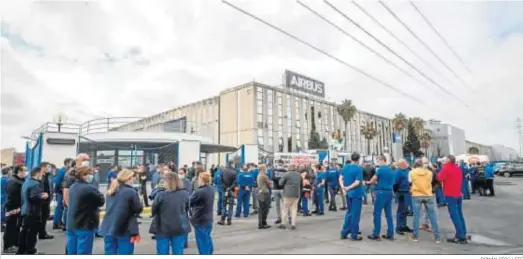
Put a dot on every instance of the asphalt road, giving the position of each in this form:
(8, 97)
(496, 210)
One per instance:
(495, 224)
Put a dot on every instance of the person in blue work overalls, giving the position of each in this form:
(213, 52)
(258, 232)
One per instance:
(352, 184)
(318, 190)
(332, 180)
(384, 181)
(473, 178)
(245, 182)
(489, 175)
(201, 205)
(6, 173)
(217, 180)
(120, 224)
(402, 189)
(58, 191)
(465, 180)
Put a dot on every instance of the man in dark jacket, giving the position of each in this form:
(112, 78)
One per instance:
(277, 189)
(402, 188)
(46, 204)
(291, 182)
(143, 178)
(12, 208)
(33, 196)
(228, 181)
(368, 173)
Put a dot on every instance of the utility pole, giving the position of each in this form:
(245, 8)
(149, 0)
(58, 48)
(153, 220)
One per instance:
(520, 136)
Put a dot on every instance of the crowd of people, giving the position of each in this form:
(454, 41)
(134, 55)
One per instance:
(183, 200)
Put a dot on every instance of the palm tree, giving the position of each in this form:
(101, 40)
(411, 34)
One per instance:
(418, 124)
(347, 111)
(424, 140)
(369, 131)
(399, 123)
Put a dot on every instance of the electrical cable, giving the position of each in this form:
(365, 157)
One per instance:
(326, 54)
(440, 36)
(395, 54)
(424, 44)
(362, 44)
(432, 52)
(401, 42)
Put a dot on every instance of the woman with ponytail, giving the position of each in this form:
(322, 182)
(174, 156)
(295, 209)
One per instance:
(120, 224)
(201, 204)
(170, 221)
(83, 215)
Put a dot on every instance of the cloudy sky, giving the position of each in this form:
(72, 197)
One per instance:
(138, 58)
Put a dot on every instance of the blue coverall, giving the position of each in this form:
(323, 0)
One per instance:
(218, 183)
(245, 181)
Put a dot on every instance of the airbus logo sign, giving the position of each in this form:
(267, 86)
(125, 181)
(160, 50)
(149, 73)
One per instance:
(304, 84)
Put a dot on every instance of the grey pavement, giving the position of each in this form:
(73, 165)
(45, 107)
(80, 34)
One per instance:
(495, 224)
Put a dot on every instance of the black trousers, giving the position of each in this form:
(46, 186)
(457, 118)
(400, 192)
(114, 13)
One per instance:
(228, 204)
(12, 231)
(474, 185)
(490, 186)
(326, 191)
(481, 186)
(144, 194)
(28, 235)
(264, 200)
(46, 211)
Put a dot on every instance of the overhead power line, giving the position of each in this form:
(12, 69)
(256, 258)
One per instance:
(326, 54)
(424, 44)
(439, 35)
(393, 52)
(361, 43)
(401, 41)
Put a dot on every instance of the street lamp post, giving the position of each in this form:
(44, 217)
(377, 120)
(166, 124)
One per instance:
(60, 119)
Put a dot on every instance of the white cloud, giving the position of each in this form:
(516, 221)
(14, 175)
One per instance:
(131, 58)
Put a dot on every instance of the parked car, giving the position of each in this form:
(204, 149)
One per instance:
(498, 167)
(511, 169)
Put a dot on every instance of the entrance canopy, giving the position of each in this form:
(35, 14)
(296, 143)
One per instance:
(144, 139)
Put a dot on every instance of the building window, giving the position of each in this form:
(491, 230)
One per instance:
(259, 106)
(260, 141)
(260, 119)
(259, 93)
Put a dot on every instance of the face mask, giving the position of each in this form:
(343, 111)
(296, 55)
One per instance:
(49, 169)
(85, 163)
(90, 178)
(26, 174)
(181, 176)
